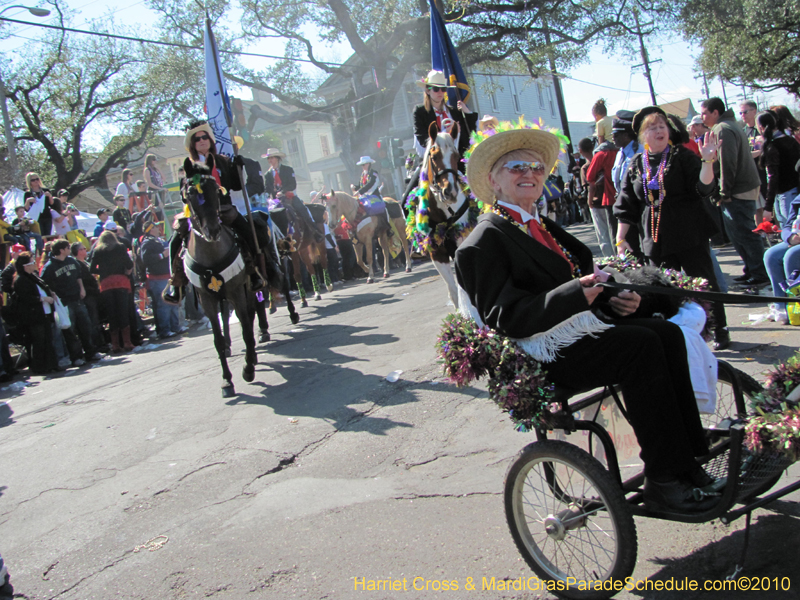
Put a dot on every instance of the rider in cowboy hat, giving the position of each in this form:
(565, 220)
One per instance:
(280, 180)
(370, 180)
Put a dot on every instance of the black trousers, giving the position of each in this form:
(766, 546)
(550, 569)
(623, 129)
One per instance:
(348, 258)
(42, 351)
(697, 262)
(116, 302)
(647, 357)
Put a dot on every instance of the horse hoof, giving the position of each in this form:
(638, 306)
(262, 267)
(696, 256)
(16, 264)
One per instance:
(370, 280)
(317, 296)
(248, 373)
(263, 336)
(304, 303)
(330, 288)
(408, 269)
(227, 352)
(386, 276)
(272, 310)
(294, 318)
(228, 391)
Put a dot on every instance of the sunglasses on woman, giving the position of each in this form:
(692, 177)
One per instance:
(521, 167)
(436, 88)
(35, 179)
(200, 138)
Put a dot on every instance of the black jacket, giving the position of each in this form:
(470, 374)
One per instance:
(7, 278)
(255, 181)
(109, 261)
(686, 219)
(288, 182)
(63, 277)
(26, 301)
(372, 185)
(155, 256)
(466, 123)
(519, 286)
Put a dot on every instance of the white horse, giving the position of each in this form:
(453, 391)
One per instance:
(447, 207)
(344, 205)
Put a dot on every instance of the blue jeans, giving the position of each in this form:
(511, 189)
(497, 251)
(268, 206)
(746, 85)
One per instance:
(81, 330)
(737, 216)
(781, 260)
(166, 315)
(783, 203)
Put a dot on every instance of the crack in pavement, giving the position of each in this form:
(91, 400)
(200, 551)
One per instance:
(423, 496)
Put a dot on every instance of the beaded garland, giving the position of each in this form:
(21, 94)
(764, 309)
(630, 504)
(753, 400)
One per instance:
(655, 183)
(502, 212)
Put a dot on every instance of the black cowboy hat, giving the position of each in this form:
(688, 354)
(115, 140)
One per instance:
(648, 110)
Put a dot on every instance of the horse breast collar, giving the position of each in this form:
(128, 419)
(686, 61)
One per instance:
(213, 278)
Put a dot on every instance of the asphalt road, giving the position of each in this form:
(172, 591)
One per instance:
(134, 479)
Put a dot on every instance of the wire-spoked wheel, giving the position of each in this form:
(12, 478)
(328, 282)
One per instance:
(569, 519)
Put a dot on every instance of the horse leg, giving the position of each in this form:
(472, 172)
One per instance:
(368, 245)
(225, 313)
(323, 261)
(273, 308)
(245, 311)
(400, 225)
(311, 267)
(446, 271)
(211, 307)
(359, 250)
(263, 323)
(293, 316)
(298, 279)
(383, 242)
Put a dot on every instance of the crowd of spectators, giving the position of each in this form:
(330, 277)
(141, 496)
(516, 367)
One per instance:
(756, 180)
(97, 276)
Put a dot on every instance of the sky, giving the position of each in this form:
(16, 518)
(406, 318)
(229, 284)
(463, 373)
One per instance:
(609, 77)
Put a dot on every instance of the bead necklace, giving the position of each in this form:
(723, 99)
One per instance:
(501, 211)
(657, 183)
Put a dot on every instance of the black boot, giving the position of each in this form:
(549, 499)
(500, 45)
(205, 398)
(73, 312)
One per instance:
(722, 338)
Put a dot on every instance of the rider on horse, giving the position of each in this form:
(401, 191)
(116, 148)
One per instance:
(368, 192)
(280, 180)
(200, 143)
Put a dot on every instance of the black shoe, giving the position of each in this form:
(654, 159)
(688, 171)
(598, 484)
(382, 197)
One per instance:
(741, 278)
(722, 339)
(675, 496)
(752, 282)
(256, 283)
(699, 478)
(172, 294)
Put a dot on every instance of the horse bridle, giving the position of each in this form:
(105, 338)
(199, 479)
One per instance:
(196, 182)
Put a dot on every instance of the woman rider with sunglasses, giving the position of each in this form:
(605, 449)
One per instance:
(434, 109)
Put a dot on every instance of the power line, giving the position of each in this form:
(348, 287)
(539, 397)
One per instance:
(162, 43)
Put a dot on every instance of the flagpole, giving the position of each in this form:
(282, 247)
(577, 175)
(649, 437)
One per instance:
(239, 170)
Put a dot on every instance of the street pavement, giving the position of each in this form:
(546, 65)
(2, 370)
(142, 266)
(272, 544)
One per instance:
(135, 479)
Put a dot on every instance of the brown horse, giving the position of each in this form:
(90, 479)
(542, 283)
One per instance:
(298, 243)
(344, 205)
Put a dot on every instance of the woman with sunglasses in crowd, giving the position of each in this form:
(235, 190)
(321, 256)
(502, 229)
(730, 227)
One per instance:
(38, 203)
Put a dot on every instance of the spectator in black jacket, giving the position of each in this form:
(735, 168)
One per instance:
(92, 289)
(155, 256)
(111, 262)
(255, 181)
(63, 275)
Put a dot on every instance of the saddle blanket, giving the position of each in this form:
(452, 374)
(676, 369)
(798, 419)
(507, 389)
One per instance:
(373, 205)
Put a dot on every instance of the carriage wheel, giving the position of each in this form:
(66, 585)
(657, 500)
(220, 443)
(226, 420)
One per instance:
(568, 518)
(735, 389)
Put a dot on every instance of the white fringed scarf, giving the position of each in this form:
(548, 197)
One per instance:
(545, 346)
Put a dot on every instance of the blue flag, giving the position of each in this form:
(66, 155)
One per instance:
(445, 59)
(218, 105)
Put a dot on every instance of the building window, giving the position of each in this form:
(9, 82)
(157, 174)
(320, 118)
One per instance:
(550, 93)
(539, 91)
(292, 147)
(323, 142)
(515, 94)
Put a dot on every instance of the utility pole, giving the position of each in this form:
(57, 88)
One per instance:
(645, 59)
(562, 110)
(705, 86)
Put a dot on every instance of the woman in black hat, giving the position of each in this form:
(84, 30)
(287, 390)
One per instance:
(664, 193)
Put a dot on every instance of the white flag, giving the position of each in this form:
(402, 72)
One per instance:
(217, 102)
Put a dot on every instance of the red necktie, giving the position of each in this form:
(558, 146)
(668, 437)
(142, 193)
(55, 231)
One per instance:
(538, 232)
(440, 116)
(276, 177)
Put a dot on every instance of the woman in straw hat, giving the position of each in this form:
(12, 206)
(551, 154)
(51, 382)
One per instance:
(663, 195)
(527, 278)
